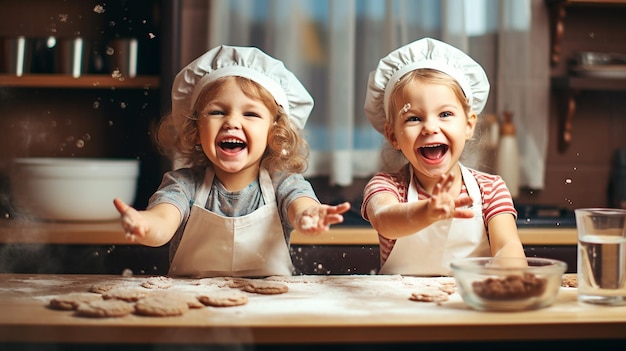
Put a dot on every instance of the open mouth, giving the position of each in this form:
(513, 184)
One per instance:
(433, 152)
(232, 144)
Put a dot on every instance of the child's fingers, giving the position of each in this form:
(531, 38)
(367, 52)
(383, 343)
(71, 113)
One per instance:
(333, 219)
(448, 182)
(339, 209)
(463, 201)
(130, 222)
(120, 205)
(463, 213)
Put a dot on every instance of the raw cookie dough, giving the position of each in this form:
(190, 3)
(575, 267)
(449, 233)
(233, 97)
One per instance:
(511, 287)
(102, 287)
(224, 298)
(266, 287)
(159, 282)
(72, 300)
(161, 306)
(104, 308)
(433, 296)
(191, 300)
(223, 282)
(125, 294)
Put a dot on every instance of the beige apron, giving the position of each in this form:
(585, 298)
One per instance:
(252, 245)
(430, 251)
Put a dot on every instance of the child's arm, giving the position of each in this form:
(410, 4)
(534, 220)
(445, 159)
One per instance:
(153, 227)
(503, 237)
(394, 219)
(308, 216)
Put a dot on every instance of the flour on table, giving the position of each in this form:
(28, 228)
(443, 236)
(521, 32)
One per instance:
(160, 282)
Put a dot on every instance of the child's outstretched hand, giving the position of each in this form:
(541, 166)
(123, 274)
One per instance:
(318, 218)
(444, 204)
(133, 222)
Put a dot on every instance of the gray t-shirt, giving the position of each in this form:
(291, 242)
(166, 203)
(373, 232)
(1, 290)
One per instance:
(179, 188)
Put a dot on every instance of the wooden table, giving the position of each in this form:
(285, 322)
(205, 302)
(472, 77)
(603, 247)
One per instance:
(110, 232)
(317, 309)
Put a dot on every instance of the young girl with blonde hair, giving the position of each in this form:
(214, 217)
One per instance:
(235, 129)
(427, 207)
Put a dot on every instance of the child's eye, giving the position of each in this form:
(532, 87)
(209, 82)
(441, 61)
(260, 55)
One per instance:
(446, 114)
(251, 114)
(216, 113)
(413, 119)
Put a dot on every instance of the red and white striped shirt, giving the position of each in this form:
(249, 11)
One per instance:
(495, 196)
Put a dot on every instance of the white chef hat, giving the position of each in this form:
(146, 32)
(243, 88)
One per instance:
(423, 53)
(247, 62)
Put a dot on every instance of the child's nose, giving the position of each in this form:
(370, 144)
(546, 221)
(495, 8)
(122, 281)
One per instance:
(232, 121)
(431, 126)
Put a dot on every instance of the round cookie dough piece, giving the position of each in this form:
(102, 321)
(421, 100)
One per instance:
(189, 298)
(223, 282)
(224, 298)
(267, 287)
(72, 300)
(125, 294)
(161, 306)
(104, 308)
(434, 296)
(159, 282)
(102, 287)
(448, 287)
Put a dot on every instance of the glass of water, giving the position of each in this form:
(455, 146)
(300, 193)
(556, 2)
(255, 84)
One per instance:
(601, 255)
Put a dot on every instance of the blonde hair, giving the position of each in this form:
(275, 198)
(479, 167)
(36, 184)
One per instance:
(425, 75)
(393, 159)
(287, 150)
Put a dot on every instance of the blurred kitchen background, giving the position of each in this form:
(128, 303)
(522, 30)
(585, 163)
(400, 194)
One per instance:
(567, 105)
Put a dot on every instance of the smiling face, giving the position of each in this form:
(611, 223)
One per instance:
(430, 125)
(233, 130)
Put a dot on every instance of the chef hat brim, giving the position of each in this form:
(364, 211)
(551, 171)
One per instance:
(423, 53)
(247, 62)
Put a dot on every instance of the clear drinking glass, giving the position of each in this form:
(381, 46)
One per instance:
(601, 255)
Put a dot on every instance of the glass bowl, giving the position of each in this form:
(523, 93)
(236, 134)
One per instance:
(508, 284)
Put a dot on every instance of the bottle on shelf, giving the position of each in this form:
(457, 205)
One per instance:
(507, 155)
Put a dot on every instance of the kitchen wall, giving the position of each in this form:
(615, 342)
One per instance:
(579, 175)
(576, 177)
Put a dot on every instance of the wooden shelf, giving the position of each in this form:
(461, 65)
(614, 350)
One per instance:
(557, 10)
(82, 82)
(585, 83)
(569, 87)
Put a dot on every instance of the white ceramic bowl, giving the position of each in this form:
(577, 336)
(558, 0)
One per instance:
(508, 284)
(72, 189)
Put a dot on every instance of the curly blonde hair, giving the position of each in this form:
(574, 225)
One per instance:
(287, 150)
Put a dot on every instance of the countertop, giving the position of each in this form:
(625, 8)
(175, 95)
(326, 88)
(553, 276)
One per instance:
(316, 309)
(111, 233)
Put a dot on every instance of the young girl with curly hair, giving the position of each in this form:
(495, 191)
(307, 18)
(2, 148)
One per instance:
(235, 129)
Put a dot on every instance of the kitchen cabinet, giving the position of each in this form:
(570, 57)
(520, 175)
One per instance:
(599, 26)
